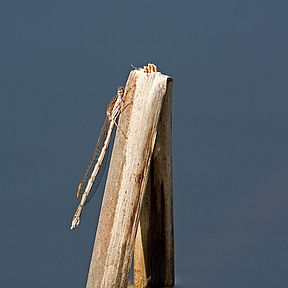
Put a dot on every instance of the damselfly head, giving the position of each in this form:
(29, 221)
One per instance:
(120, 91)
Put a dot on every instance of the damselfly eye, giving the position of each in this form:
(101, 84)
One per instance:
(120, 91)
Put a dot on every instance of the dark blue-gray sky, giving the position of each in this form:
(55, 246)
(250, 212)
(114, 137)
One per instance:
(60, 63)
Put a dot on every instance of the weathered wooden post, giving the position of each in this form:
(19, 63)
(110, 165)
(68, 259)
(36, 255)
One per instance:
(134, 160)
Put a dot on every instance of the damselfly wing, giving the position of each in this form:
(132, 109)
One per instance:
(93, 160)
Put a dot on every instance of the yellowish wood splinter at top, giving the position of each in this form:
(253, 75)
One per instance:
(150, 68)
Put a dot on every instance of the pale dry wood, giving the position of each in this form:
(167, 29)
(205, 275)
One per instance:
(154, 246)
(142, 249)
(127, 180)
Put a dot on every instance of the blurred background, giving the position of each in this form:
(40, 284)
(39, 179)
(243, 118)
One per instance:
(60, 65)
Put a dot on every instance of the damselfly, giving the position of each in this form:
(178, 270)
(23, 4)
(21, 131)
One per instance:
(92, 175)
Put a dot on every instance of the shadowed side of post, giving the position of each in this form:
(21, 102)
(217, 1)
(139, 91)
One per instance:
(154, 246)
(127, 180)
